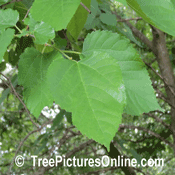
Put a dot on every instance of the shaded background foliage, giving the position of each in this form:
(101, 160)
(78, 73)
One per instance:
(145, 136)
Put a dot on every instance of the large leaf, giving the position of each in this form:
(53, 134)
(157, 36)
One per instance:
(140, 93)
(79, 19)
(32, 73)
(57, 13)
(42, 31)
(8, 18)
(5, 40)
(92, 89)
(159, 13)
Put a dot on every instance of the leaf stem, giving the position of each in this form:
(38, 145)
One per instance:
(61, 51)
(18, 29)
(70, 58)
(43, 49)
(69, 51)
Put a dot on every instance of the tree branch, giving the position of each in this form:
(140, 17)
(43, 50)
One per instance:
(158, 120)
(42, 170)
(161, 52)
(16, 94)
(130, 19)
(147, 131)
(85, 8)
(26, 14)
(163, 79)
(135, 31)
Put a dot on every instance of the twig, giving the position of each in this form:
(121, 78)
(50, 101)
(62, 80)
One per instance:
(16, 94)
(13, 1)
(124, 20)
(135, 31)
(102, 170)
(26, 14)
(165, 100)
(69, 154)
(171, 41)
(163, 79)
(63, 139)
(147, 131)
(85, 7)
(21, 143)
(158, 120)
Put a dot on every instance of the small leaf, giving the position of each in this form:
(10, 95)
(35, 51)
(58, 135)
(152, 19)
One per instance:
(59, 42)
(126, 31)
(122, 1)
(92, 21)
(5, 40)
(108, 19)
(8, 18)
(92, 89)
(6, 92)
(58, 119)
(2, 66)
(42, 31)
(56, 13)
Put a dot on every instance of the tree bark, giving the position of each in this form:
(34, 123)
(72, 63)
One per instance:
(161, 52)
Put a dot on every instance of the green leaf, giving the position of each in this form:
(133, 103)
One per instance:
(8, 18)
(21, 45)
(122, 1)
(28, 3)
(56, 13)
(79, 19)
(92, 89)
(21, 8)
(42, 31)
(58, 119)
(24, 33)
(173, 2)
(126, 31)
(159, 13)
(2, 66)
(3, 2)
(131, 151)
(32, 73)
(108, 19)
(59, 42)
(92, 19)
(5, 40)
(6, 92)
(140, 93)
(40, 48)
